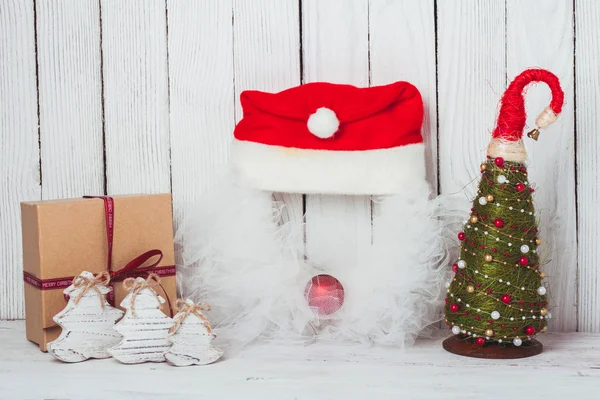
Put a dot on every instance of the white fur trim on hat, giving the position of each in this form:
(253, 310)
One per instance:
(323, 123)
(283, 169)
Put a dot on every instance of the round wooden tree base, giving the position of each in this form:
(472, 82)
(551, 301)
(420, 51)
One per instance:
(467, 348)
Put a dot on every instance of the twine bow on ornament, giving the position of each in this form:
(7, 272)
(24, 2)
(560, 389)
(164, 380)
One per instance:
(186, 308)
(138, 285)
(85, 284)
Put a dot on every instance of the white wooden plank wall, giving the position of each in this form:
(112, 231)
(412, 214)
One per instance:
(136, 101)
(70, 97)
(587, 120)
(143, 97)
(19, 151)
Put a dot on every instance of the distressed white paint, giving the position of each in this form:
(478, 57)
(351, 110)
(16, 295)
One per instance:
(587, 57)
(19, 152)
(169, 74)
(70, 90)
(192, 340)
(136, 102)
(569, 368)
(87, 326)
(471, 80)
(144, 327)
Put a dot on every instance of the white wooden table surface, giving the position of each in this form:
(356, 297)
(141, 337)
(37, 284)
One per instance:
(569, 368)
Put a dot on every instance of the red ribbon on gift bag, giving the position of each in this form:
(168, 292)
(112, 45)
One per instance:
(131, 269)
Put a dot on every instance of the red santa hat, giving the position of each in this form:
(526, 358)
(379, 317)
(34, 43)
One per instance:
(330, 138)
(507, 140)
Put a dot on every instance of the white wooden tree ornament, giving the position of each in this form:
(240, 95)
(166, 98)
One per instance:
(87, 321)
(144, 327)
(192, 336)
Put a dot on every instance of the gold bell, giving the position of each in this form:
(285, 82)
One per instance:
(534, 134)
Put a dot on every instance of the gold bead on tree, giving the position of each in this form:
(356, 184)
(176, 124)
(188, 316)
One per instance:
(470, 288)
(489, 333)
(489, 198)
(543, 311)
(542, 274)
(483, 166)
(538, 241)
(488, 257)
(474, 219)
(544, 329)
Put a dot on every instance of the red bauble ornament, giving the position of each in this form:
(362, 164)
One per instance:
(324, 294)
(480, 341)
(454, 307)
(531, 190)
(455, 268)
(499, 161)
(461, 236)
(530, 330)
(520, 187)
(523, 260)
(498, 223)
(505, 299)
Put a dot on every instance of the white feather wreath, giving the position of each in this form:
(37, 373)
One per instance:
(240, 258)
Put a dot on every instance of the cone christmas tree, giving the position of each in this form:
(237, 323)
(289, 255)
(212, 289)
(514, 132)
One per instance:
(497, 296)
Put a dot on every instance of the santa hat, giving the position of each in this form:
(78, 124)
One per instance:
(507, 140)
(330, 138)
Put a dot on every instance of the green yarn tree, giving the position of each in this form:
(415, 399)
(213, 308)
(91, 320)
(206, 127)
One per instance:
(497, 295)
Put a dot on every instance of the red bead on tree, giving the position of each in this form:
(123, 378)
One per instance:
(461, 236)
(523, 261)
(498, 223)
(520, 187)
(455, 268)
(505, 299)
(480, 341)
(499, 161)
(454, 307)
(530, 330)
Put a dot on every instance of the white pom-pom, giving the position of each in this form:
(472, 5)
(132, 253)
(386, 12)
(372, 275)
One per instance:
(323, 123)
(547, 117)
